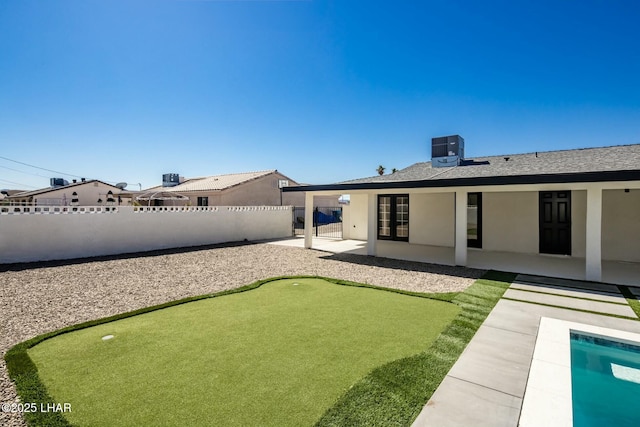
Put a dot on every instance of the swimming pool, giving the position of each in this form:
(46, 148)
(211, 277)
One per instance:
(555, 396)
(605, 381)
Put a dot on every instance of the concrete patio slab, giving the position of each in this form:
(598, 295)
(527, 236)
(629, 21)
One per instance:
(574, 303)
(491, 347)
(326, 244)
(524, 317)
(532, 264)
(571, 292)
(459, 403)
(510, 316)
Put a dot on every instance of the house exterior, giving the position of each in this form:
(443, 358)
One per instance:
(260, 188)
(569, 213)
(78, 193)
(6, 193)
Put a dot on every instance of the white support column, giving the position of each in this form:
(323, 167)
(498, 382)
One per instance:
(593, 268)
(461, 228)
(308, 219)
(372, 224)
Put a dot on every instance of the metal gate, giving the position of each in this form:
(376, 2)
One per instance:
(327, 222)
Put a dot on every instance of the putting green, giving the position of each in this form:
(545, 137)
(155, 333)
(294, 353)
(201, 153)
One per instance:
(280, 354)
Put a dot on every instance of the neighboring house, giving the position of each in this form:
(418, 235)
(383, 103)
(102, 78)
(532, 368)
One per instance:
(61, 193)
(6, 193)
(569, 213)
(237, 189)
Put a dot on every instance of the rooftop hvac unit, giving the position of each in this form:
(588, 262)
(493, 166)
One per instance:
(58, 182)
(170, 179)
(447, 151)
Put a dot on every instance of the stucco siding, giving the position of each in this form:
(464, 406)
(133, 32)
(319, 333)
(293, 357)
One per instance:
(412, 252)
(621, 225)
(578, 223)
(510, 222)
(259, 192)
(355, 218)
(262, 191)
(432, 219)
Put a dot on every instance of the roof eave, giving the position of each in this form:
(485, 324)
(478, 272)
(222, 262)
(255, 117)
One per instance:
(561, 178)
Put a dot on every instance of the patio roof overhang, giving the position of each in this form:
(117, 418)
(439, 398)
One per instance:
(562, 178)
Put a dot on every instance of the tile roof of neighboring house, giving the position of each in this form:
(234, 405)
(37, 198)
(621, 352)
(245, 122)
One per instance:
(10, 193)
(48, 189)
(590, 164)
(215, 183)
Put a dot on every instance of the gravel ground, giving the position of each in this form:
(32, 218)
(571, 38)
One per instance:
(40, 298)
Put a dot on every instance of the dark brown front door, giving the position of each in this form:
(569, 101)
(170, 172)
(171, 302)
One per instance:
(555, 222)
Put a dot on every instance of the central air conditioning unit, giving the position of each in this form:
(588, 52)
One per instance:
(170, 179)
(58, 182)
(447, 151)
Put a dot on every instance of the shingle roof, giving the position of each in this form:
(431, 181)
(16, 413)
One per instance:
(621, 157)
(598, 163)
(214, 183)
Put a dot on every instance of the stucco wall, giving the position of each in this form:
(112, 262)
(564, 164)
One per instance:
(432, 219)
(412, 252)
(578, 223)
(263, 191)
(47, 236)
(621, 225)
(510, 222)
(355, 218)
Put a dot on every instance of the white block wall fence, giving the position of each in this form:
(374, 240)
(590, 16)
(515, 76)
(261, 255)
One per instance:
(41, 233)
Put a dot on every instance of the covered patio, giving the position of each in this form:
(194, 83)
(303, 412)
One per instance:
(601, 227)
(570, 213)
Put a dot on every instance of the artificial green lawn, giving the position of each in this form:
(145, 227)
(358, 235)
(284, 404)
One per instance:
(395, 393)
(280, 354)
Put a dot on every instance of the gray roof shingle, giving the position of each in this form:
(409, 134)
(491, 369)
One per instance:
(601, 159)
(615, 163)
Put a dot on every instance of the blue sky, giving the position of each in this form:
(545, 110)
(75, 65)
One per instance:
(323, 91)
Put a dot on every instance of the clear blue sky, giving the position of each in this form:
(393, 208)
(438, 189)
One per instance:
(323, 91)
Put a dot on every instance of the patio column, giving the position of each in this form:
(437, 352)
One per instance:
(372, 224)
(308, 219)
(593, 267)
(461, 228)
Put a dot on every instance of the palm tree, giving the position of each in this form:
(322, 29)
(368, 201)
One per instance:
(381, 170)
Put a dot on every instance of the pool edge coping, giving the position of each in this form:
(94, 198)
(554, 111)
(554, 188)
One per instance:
(547, 399)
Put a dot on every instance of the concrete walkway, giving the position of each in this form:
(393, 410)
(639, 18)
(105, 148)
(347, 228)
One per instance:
(486, 386)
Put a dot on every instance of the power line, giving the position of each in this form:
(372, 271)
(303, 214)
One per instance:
(27, 173)
(38, 167)
(45, 169)
(17, 183)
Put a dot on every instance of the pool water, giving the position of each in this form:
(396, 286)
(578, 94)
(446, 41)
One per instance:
(605, 382)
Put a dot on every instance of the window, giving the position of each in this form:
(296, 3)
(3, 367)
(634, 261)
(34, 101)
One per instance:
(474, 220)
(203, 201)
(393, 217)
